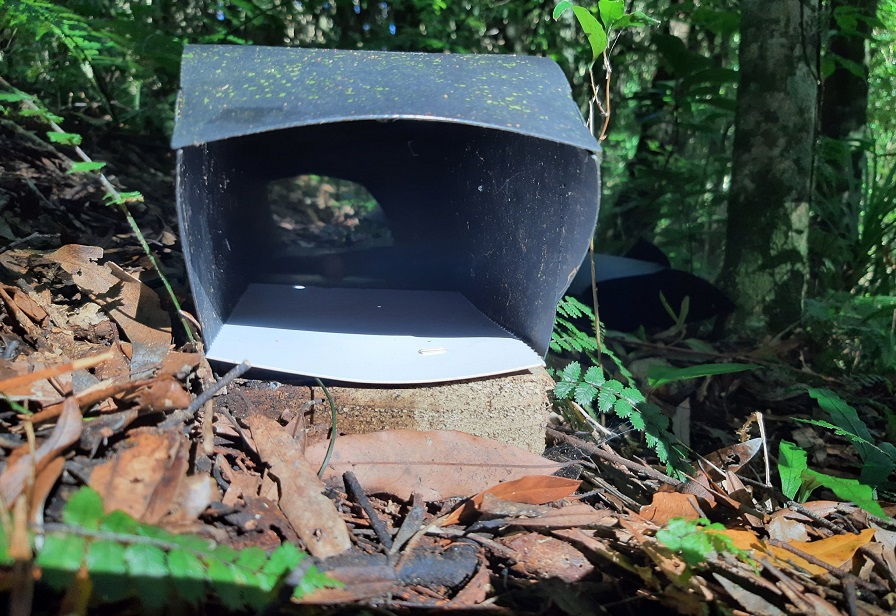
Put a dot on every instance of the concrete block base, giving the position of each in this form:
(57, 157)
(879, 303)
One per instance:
(512, 409)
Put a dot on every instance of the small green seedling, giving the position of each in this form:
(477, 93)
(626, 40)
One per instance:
(691, 540)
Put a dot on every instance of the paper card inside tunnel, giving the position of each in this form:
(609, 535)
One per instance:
(375, 336)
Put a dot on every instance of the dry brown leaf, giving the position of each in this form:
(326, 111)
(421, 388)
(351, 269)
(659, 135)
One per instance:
(130, 303)
(586, 540)
(752, 602)
(821, 606)
(143, 479)
(30, 307)
(783, 527)
(312, 515)
(31, 330)
(836, 550)
(194, 496)
(178, 363)
(493, 507)
(668, 505)
(161, 394)
(80, 262)
(66, 432)
(116, 368)
(670, 565)
(93, 395)
(886, 539)
(531, 490)
(731, 458)
(438, 464)
(43, 485)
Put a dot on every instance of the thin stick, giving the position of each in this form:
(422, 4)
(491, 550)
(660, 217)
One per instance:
(226, 380)
(355, 490)
(78, 364)
(612, 457)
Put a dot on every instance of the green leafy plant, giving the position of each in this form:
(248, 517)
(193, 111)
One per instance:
(798, 481)
(854, 334)
(695, 542)
(568, 339)
(612, 396)
(610, 14)
(660, 375)
(124, 558)
(566, 336)
(878, 462)
(88, 46)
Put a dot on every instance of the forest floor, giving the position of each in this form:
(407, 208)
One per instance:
(101, 390)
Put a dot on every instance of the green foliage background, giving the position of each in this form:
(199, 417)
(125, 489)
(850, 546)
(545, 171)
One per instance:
(110, 66)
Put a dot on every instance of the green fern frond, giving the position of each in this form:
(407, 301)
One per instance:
(627, 403)
(125, 558)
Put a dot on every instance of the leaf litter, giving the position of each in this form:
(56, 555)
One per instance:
(99, 391)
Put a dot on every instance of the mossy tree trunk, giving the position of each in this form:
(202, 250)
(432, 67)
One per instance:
(766, 268)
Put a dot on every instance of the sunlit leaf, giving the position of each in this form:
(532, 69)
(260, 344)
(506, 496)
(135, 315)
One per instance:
(597, 36)
(635, 19)
(572, 372)
(561, 8)
(64, 138)
(792, 461)
(851, 490)
(84, 508)
(610, 11)
(84, 166)
(660, 375)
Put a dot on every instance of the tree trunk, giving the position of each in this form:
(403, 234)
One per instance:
(765, 267)
(844, 115)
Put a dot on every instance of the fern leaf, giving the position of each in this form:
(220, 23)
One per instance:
(188, 575)
(595, 376)
(585, 393)
(572, 372)
(605, 401)
(613, 386)
(564, 390)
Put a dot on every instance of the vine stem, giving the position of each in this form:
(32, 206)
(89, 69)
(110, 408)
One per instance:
(333, 432)
(121, 202)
